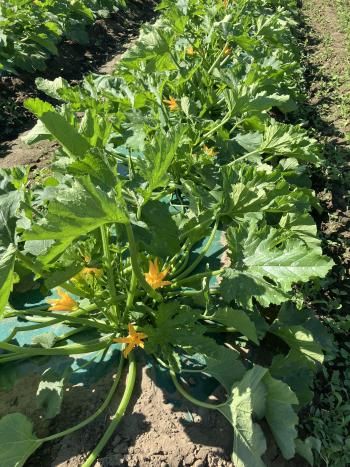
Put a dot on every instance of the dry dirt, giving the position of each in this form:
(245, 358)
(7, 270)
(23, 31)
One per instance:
(159, 429)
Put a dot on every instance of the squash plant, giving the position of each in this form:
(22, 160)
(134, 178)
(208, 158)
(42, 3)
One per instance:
(176, 218)
(31, 30)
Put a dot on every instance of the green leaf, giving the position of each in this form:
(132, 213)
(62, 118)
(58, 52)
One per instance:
(249, 141)
(96, 165)
(7, 264)
(249, 441)
(58, 126)
(238, 319)
(290, 315)
(222, 363)
(242, 287)
(250, 190)
(38, 133)
(62, 273)
(242, 99)
(153, 48)
(305, 448)
(267, 264)
(51, 88)
(51, 391)
(158, 157)
(160, 237)
(294, 370)
(303, 226)
(17, 440)
(175, 325)
(280, 415)
(289, 141)
(46, 340)
(9, 204)
(46, 43)
(301, 340)
(77, 210)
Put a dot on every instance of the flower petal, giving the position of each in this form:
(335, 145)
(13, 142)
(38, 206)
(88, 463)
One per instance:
(128, 349)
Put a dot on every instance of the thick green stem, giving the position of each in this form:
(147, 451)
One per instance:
(190, 398)
(69, 319)
(252, 153)
(199, 226)
(189, 293)
(182, 264)
(42, 310)
(31, 327)
(90, 346)
(217, 127)
(130, 384)
(71, 333)
(175, 259)
(96, 414)
(204, 251)
(109, 271)
(132, 291)
(136, 267)
(197, 277)
(218, 58)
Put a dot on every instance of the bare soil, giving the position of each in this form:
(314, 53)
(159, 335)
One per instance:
(159, 429)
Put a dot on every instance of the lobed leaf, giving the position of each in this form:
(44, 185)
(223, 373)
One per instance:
(17, 440)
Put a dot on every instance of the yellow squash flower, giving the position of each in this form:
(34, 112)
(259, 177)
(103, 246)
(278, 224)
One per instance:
(225, 3)
(171, 102)
(134, 339)
(154, 277)
(227, 50)
(64, 303)
(190, 51)
(210, 151)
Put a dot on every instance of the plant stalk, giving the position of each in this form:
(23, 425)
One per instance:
(97, 413)
(188, 396)
(130, 384)
(109, 271)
